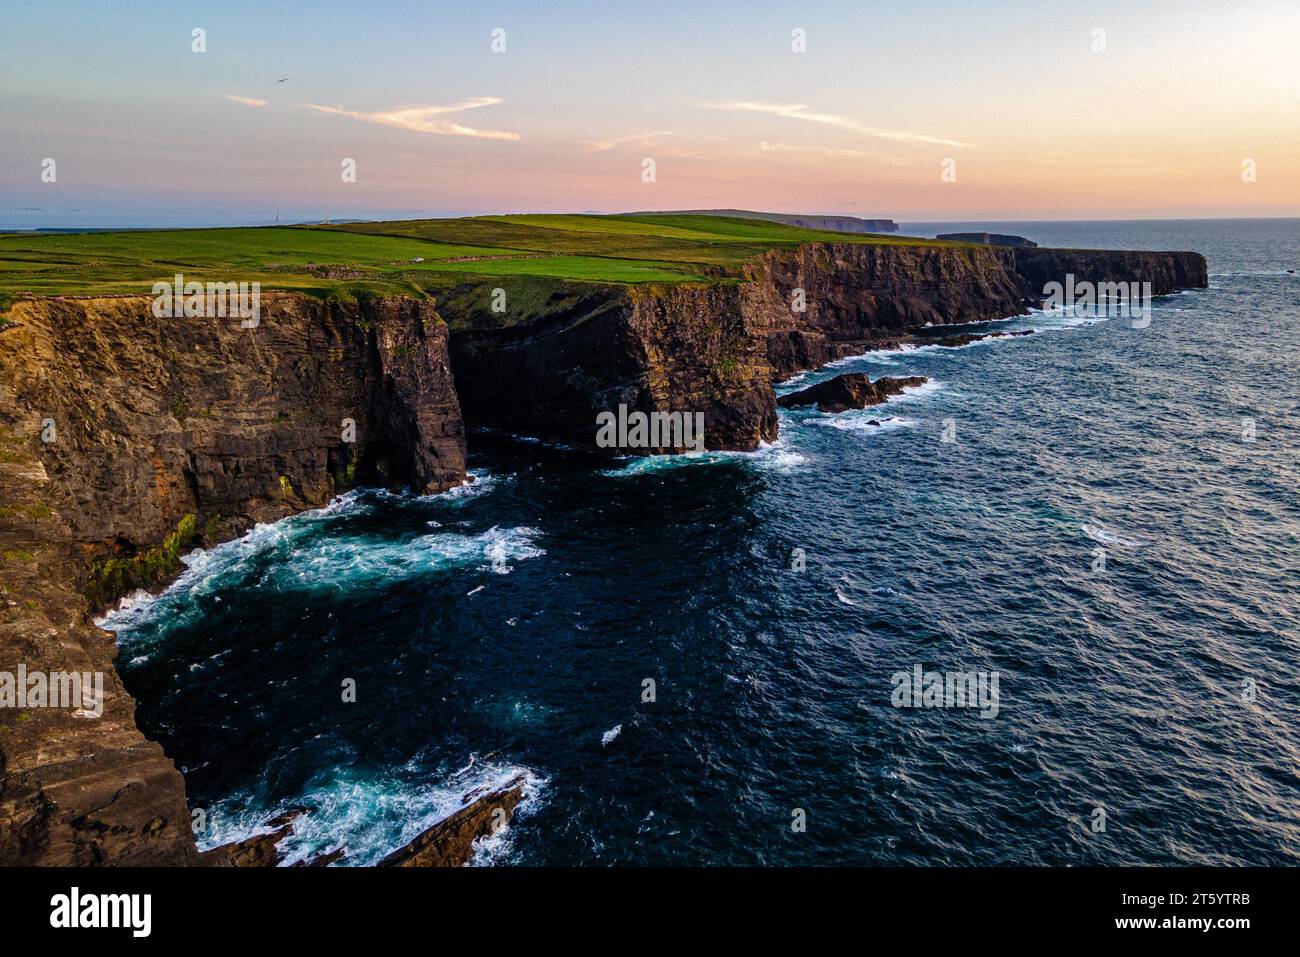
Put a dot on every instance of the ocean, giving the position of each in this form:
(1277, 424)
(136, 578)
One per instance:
(1104, 519)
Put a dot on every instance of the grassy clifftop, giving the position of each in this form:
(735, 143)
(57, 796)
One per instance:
(411, 256)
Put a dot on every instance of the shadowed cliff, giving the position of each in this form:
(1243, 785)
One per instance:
(128, 439)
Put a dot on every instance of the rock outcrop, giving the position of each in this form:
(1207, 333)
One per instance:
(124, 437)
(450, 842)
(966, 338)
(263, 850)
(854, 390)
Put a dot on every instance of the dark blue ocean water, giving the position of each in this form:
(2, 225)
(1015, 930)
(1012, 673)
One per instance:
(510, 626)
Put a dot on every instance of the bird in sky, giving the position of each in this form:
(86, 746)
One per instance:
(282, 79)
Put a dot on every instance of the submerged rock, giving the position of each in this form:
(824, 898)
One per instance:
(323, 860)
(966, 338)
(257, 851)
(262, 850)
(854, 390)
(450, 842)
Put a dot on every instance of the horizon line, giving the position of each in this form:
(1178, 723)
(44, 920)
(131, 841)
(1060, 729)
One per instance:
(900, 222)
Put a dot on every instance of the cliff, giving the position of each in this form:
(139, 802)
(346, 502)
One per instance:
(859, 297)
(714, 348)
(685, 348)
(124, 438)
(1167, 272)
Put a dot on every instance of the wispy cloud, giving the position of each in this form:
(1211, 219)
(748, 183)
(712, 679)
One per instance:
(602, 146)
(799, 111)
(246, 100)
(420, 118)
(649, 141)
(817, 150)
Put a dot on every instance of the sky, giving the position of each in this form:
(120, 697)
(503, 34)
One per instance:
(916, 111)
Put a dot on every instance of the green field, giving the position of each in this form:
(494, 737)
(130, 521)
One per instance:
(415, 257)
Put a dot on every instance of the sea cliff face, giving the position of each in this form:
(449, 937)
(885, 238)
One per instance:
(125, 439)
(859, 296)
(153, 419)
(660, 348)
(1168, 272)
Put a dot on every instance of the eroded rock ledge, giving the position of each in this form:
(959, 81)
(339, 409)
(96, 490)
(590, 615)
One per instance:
(854, 390)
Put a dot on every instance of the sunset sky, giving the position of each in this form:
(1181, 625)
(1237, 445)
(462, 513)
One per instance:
(1040, 124)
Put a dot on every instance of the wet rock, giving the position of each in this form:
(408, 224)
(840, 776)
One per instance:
(260, 850)
(966, 338)
(323, 860)
(288, 817)
(854, 390)
(450, 842)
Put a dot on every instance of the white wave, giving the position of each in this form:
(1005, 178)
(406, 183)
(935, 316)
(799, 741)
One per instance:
(510, 544)
(480, 484)
(927, 388)
(1069, 317)
(529, 440)
(370, 817)
(1102, 537)
(291, 554)
(774, 456)
(1290, 273)
(607, 738)
(892, 352)
(857, 420)
(785, 460)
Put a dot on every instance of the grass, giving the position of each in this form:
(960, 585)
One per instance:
(114, 576)
(381, 257)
